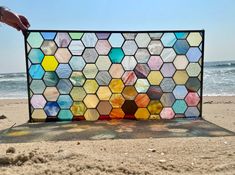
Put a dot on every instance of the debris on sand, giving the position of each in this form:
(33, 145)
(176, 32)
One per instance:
(11, 150)
(152, 150)
(3, 117)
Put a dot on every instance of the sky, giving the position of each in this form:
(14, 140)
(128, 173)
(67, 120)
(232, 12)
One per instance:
(216, 17)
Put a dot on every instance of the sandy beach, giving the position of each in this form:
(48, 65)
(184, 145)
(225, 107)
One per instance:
(196, 155)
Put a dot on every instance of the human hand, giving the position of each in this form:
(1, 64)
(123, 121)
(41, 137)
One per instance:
(14, 20)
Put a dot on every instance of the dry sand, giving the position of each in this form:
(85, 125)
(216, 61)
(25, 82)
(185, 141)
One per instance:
(141, 156)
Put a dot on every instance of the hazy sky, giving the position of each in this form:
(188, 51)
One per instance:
(217, 17)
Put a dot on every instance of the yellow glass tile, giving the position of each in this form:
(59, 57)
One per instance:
(104, 93)
(116, 85)
(49, 63)
(129, 93)
(142, 114)
(39, 115)
(155, 107)
(78, 93)
(78, 108)
(180, 77)
(91, 115)
(155, 77)
(91, 101)
(117, 100)
(90, 86)
(194, 39)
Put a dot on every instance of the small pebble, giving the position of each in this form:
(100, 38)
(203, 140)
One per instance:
(162, 161)
(78, 143)
(162, 154)
(152, 150)
(11, 150)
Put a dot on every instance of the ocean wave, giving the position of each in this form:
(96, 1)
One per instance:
(222, 64)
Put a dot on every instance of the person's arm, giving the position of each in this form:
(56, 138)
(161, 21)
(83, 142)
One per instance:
(14, 20)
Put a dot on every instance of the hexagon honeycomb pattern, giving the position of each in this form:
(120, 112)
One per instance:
(87, 75)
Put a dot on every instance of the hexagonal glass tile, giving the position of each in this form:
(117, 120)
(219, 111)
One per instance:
(36, 56)
(49, 63)
(142, 39)
(129, 78)
(103, 47)
(142, 85)
(167, 85)
(91, 101)
(78, 93)
(104, 93)
(116, 40)
(167, 99)
(180, 92)
(180, 77)
(103, 63)
(77, 78)
(193, 69)
(142, 100)
(168, 55)
(179, 106)
(52, 108)
(168, 39)
(116, 71)
(64, 101)
(65, 115)
(63, 55)
(116, 100)
(154, 92)
(141, 70)
(168, 69)
(116, 55)
(192, 99)
(129, 92)
(142, 114)
(129, 63)
(181, 62)
(64, 86)
(78, 108)
(62, 39)
(90, 86)
(38, 101)
(194, 54)
(129, 47)
(167, 113)
(76, 47)
(155, 107)
(50, 79)
(89, 39)
(155, 47)
(77, 63)
(116, 85)
(194, 39)
(90, 71)
(181, 47)
(142, 55)
(90, 55)
(48, 47)
(104, 108)
(155, 77)
(63, 71)
(155, 62)
(35, 39)
(36, 71)
(103, 78)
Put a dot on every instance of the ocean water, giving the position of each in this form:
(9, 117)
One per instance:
(219, 79)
